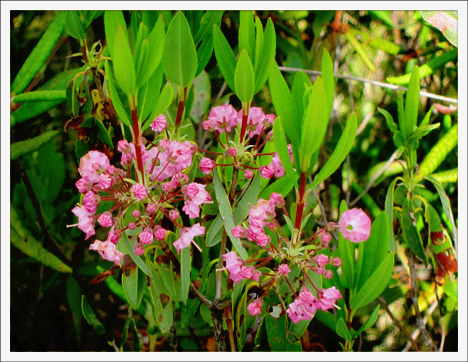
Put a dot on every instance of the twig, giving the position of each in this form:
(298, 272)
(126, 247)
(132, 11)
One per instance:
(414, 297)
(373, 179)
(221, 91)
(384, 305)
(374, 82)
(417, 330)
(322, 209)
(173, 330)
(200, 296)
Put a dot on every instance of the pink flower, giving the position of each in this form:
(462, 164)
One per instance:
(300, 310)
(239, 232)
(177, 157)
(195, 196)
(126, 159)
(146, 237)
(246, 272)
(132, 226)
(267, 171)
(163, 145)
(234, 265)
(150, 208)
(123, 146)
(139, 249)
(91, 202)
(328, 298)
(139, 191)
(159, 232)
(107, 251)
(114, 236)
(207, 165)
(276, 199)
(269, 120)
(277, 165)
(291, 157)
(256, 276)
(105, 181)
(284, 269)
(335, 261)
(105, 220)
(85, 220)
(321, 260)
(92, 165)
(254, 121)
(187, 235)
(136, 213)
(231, 151)
(305, 294)
(325, 239)
(170, 186)
(355, 225)
(115, 172)
(221, 118)
(255, 307)
(159, 124)
(173, 215)
(262, 239)
(248, 174)
(328, 274)
(83, 185)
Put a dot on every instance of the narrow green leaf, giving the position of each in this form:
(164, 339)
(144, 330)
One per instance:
(420, 132)
(210, 18)
(40, 96)
(378, 43)
(375, 249)
(328, 79)
(119, 108)
(24, 241)
(314, 124)
(427, 68)
(134, 287)
(412, 102)
(74, 302)
(73, 26)
(124, 66)
(281, 146)
(384, 15)
(327, 319)
(258, 42)
(204, 54)
(410, 232)
(148, 94)
(445, 205)
(226, 214)
(282, 186)
(156, 42)
(268, 52)
(247, 33)
(389, 212)
(439, 152)
(278, 338)
(375, 285)
(284, 105)
(339, 154)
(185, 266)
(401, 114)
(342, 330)
(215, 232)
(360, 50)
(446, 176)
(244, 79)
(347, 254)
(137, 48)
(39, 55)
(250, 197)
(393, 127)
(180, 56)
(225, 57)
(370, 322)
(112, 20)
(138, 261)
(301, 85)
(163, 103)
(90, 316)
(31, 145)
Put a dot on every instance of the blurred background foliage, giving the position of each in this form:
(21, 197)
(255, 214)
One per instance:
(46, 304)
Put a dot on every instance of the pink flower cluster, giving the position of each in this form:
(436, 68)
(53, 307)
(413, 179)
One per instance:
(306, 304)
(260, 215)
(195, 195)
(238, 270)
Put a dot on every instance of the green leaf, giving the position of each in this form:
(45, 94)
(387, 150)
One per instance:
(124, 66)
(225, 57)
(138, 261)
(410, 232)
(438, 153)
(204, 54)
(185, 266)
(148, 94)
(378, 43)
(347, 254)
(119, 108)
(427, 68)
(278, 338)
(112, 20)
(244, 78)
(258, 43)
(339, 154)
(268, 51)
(393, 127)
(300, 86)
(156, 42)
(40, 96)
(90, 317)
(369, 323)
(73, 299)
(412, 102)
(247, 33)
(389, 212)
(446, 176)
(342, 330)
(210, 18)
(445, 21)
(134, 287)
(31, 145)
(445, 205)
(201, 96)
(282, 186)
(39, 55)
(314, 124)
(24, 241)
(351, 38)
(164, 101)
(420, 132)
(281, 146)
(401, 114)
(375, 249)
(384, 15)
(328, 79)
(327, 319)
(180, 56)
(226, 214)
(375, 285)
(73, 26)
(250, 197)
(284, 105)
(215, 232)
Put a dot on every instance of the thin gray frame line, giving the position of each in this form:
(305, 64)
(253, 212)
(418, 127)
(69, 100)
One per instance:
(374, 82)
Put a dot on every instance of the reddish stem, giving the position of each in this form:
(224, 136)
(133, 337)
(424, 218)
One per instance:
(137, 142)
(180, 111)
(244, 125)
(300, 202)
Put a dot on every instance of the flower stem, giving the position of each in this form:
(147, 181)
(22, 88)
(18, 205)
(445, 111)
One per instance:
(137, 143)
(300, 201)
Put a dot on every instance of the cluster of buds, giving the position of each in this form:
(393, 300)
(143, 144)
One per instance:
(306, 254)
